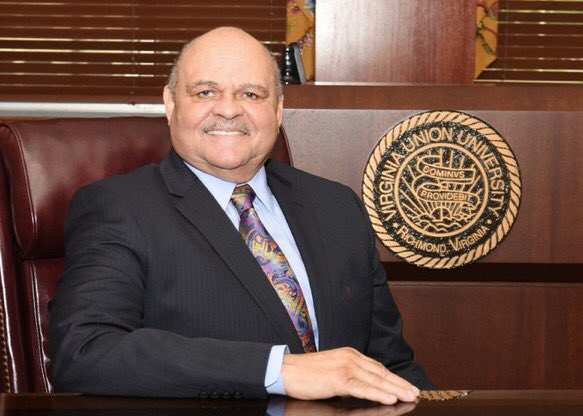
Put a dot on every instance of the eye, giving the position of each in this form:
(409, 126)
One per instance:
(205, 94)
(250, 95)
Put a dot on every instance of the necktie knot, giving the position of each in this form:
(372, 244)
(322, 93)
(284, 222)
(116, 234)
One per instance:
(242, 198)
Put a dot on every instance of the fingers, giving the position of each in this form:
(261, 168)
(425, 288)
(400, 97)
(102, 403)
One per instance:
(375, 384)
(378, 368)
(391, 382)
(364, 390)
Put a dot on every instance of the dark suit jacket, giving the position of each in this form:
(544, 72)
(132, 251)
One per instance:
(161, 297)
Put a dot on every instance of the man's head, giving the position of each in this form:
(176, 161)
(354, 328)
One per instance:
(224, 104)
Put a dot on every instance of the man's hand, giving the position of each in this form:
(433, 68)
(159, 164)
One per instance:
(343, 372)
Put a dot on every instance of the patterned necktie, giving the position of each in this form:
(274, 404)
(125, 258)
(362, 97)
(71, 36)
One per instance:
(274, 265)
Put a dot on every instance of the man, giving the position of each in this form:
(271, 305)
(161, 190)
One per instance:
(198, 276)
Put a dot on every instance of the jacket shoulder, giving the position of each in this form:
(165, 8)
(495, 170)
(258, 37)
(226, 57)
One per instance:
(307, 181)
(129, 184)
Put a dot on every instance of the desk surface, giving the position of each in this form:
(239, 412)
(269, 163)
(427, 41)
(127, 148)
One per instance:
(481, 402)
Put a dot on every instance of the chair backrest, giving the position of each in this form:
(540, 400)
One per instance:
(43, 165)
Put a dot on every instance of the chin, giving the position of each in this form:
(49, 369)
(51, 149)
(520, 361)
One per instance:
(229, 157)
(230, 163)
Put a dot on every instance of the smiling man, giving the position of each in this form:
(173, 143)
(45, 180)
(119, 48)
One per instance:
(224, 108)
(220, 273)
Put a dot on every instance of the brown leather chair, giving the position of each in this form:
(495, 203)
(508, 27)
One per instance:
(43, 163)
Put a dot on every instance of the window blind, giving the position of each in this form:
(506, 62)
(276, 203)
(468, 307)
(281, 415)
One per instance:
(114, 50)
(539, 41)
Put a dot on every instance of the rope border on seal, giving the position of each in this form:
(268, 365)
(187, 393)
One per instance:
(503, 228)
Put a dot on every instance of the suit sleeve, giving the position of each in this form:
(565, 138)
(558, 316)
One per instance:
(98, 342)
(386, 343)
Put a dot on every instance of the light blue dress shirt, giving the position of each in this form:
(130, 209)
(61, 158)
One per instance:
(274, 221)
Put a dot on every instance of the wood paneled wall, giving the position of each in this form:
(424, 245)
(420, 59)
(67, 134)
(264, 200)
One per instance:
(421, 41)
(547, 146)
(477, 335)
(514, 319)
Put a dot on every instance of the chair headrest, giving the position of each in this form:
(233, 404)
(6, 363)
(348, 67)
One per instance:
(47, 161)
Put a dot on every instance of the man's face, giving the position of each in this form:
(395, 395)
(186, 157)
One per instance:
(225, 116)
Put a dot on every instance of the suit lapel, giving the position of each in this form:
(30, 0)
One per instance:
(300, 217)
(199, 207)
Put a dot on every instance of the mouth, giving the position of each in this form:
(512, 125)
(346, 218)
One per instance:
(227, 132)
(226, 129)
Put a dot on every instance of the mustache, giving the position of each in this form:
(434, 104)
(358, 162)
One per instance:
(227, 126)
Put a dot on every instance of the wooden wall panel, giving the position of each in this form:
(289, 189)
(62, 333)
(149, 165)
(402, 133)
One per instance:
(547, 145)
(495, 335)
(375, 96)
(423, 41)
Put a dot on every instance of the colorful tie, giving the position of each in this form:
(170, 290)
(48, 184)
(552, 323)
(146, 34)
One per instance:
(274, 265)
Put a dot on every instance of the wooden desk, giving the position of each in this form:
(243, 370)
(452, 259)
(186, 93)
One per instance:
(481, 402)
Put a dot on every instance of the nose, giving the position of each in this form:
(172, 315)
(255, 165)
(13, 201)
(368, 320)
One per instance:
(228, 107)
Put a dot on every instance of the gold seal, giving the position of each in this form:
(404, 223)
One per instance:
(442, 189)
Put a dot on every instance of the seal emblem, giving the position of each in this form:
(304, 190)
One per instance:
(442, 189)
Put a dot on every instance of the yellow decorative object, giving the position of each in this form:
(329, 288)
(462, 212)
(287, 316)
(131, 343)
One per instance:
(486, 34)
(300, 29)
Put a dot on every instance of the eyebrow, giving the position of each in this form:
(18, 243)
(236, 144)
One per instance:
(257, 87)
(201, 83)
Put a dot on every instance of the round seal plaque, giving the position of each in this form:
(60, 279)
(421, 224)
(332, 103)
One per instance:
(442, 189)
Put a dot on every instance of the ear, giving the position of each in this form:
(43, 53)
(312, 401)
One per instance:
(168, 103)
(279, 112)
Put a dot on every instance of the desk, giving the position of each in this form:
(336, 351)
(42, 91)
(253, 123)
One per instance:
(480, 402)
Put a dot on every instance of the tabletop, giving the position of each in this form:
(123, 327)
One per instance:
(479, 402)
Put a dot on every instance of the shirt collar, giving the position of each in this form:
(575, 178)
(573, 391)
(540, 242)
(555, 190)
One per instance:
(222, 190)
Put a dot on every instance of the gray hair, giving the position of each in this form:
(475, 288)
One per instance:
(173, 77)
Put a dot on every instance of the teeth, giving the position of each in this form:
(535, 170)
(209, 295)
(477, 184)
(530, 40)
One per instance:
(225, 133)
